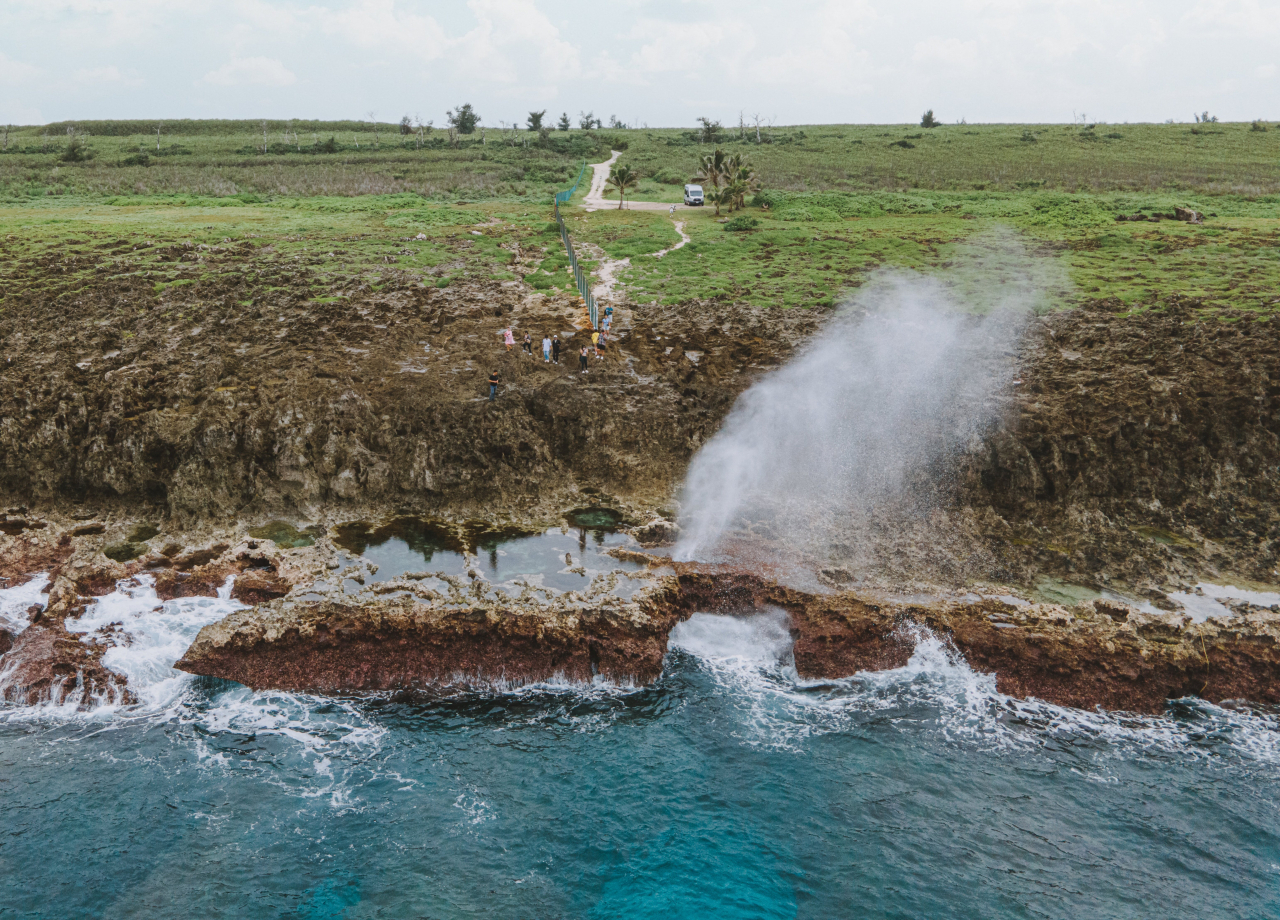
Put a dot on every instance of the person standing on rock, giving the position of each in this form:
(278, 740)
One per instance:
(493, 385)
(528, 345)
(595, 342)
(555, 348)
(508, 338)
(546, 349)
(582, 360)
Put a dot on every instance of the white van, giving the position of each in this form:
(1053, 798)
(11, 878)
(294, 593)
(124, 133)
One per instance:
(693, 195)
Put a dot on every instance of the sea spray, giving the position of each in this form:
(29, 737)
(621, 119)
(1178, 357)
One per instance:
(862, 421)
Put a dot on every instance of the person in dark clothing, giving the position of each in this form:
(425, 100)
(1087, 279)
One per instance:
(528, 345)
(493, 385)
(582, 360)
(555, 348)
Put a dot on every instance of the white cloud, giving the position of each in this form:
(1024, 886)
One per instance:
(513, 42)
(945, 51)
(378, 25)
(660, 61)
(14, 73)
(94, 77)
(255, 71)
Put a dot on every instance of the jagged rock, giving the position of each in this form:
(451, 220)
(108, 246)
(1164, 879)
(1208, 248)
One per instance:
(401, 643)
(1099, 653)
(1190, 216)
(658, 532)
(256, 587)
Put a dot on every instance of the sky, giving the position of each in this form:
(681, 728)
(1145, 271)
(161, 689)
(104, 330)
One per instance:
(658, 63)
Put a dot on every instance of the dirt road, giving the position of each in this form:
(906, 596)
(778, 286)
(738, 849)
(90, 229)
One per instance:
(595, 199)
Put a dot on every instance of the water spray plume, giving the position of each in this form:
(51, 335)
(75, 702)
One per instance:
(858, 426)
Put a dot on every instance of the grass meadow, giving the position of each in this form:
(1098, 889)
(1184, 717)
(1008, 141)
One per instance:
(979, 207)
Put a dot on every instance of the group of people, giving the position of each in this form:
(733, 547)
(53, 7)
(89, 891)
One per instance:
(551, 347)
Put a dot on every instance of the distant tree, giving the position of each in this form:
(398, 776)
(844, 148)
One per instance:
(6, 136)
(535, 120)
(615, 123)
(76, 151)
(622, 179)
(928, 121)
(329, 146)
(710, 130)
(586, 120)
(406, 125)
(463, 119)
(564, 125)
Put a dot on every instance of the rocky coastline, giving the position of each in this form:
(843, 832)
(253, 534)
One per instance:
(1135, 455)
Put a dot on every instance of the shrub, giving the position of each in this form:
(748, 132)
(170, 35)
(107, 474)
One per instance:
(76, 151)
(136, 159)
(740, 223)
(1028, 138)
(905, 145)
(928, 121)
(1257, 126)
(329, 146)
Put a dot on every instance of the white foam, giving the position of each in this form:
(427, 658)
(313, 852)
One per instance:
(937, 691)
(155, 634)
(759, 640)
(14, 603)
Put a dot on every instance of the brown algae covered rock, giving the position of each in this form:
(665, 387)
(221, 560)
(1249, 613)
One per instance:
(401, 642)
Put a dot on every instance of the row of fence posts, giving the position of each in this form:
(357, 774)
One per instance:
(579, 276)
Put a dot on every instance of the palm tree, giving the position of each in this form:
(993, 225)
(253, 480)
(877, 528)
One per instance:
(622, 178)
(713, 167)
(742, 179)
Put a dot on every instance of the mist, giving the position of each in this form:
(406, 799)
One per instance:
(861, 424)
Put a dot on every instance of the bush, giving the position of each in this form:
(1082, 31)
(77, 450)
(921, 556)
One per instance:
(136, 159)
(928, 121)
(905, 145)
(76, 151)
(329, 146)
(740, 223)
(668, 177)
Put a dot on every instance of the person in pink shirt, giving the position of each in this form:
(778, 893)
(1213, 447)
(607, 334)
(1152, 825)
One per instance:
(508, 338)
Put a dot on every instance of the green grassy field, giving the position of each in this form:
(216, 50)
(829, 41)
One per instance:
(986, 209)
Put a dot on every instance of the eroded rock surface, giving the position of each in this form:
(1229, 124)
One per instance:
(403, 643)
(1097, 654)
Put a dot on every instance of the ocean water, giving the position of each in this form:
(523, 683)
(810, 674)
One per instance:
(727, 789)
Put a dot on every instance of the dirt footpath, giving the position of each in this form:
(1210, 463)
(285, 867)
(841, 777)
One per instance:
(596, 201)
